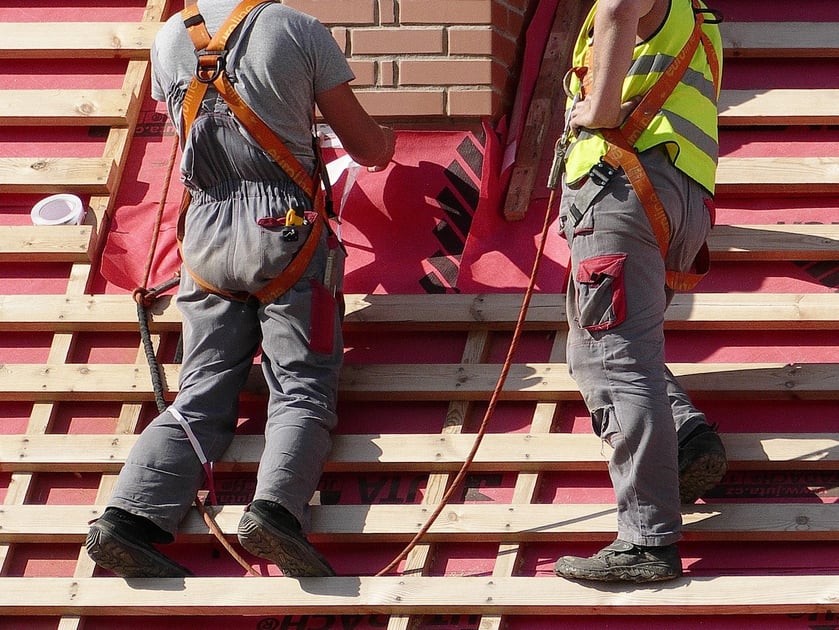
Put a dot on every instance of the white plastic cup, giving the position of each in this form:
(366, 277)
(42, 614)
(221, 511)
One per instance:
(61, 209)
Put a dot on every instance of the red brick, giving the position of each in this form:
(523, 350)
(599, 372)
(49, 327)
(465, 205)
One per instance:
(387, 73)
(472, 102)
(470, 40)
(445, 72)
(387, 11)
(507, 20)
(445, 11)
(341, 35)
(403, 103)
(505, 50)
(364, 71)
(381, 41)
(338, 11)
(429, 58)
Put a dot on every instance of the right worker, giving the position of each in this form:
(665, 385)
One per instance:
(636, 208)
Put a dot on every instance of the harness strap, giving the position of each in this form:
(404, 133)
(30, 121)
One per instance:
(621, 152)
(653, 100)
(206, 464)
(623, 156)
(211, 54)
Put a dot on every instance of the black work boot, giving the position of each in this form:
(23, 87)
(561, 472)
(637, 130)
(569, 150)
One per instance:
(270, 531)
(623, 562)
(702, 463)
(121, 542)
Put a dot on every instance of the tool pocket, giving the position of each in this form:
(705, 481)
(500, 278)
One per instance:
(327, 299)
(601, 294)
(280, 242)
(322, 322)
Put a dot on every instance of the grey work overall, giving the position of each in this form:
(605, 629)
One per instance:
(615, 306)
(234, 239)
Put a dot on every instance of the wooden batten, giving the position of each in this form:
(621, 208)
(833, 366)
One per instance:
(85, 40)
(778, 107)
(426, 382)
(452, 312)
(725, 595)
(780, 39)
(457, 523)
(107, 108)
(420, 452)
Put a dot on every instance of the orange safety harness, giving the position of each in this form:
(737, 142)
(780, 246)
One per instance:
(211, 54)
(621, 152)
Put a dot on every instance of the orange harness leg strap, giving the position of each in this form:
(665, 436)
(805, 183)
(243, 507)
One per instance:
(211, 53)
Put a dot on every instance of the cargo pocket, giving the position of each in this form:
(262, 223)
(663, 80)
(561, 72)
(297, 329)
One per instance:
(601, 295)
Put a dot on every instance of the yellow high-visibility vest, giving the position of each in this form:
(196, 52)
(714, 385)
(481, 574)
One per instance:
(686, 123)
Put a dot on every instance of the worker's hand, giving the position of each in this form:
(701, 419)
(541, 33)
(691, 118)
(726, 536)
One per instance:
(627, 108)
(390, 147)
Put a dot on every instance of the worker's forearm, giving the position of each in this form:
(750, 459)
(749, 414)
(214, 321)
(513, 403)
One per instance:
(615, 29)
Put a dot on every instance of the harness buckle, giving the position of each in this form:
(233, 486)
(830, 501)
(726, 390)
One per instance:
(602, 173)
(210, 64)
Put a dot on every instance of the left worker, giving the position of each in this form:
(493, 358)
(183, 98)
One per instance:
(247, 223)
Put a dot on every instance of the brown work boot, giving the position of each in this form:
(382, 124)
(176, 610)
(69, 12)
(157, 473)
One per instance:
(623, 562)
(702, 463)
(270, 531)
(121, 542)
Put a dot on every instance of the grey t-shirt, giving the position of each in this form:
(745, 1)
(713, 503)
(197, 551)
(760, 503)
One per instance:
(279, 59)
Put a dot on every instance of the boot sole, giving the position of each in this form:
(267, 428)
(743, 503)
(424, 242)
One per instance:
(294, 556)
(128, 559)
(636, 574)
(701, 476)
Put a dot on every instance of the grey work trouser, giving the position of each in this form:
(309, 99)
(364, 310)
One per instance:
(615, 306)
(302, 351)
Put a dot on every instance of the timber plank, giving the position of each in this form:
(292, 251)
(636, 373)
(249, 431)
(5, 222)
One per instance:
(45, 243)
(77, 40)
(779, 107)
(764, 594)
(726, 242)
(780, 39)
(64, 107)
(421, 452)
(498, 522)
(427, 382)
(781, 175)
(56, 175)
(774, 242)
(67, 313)
(444, 312)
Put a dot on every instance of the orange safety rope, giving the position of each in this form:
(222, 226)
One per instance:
(499, 386)
(210, 521)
